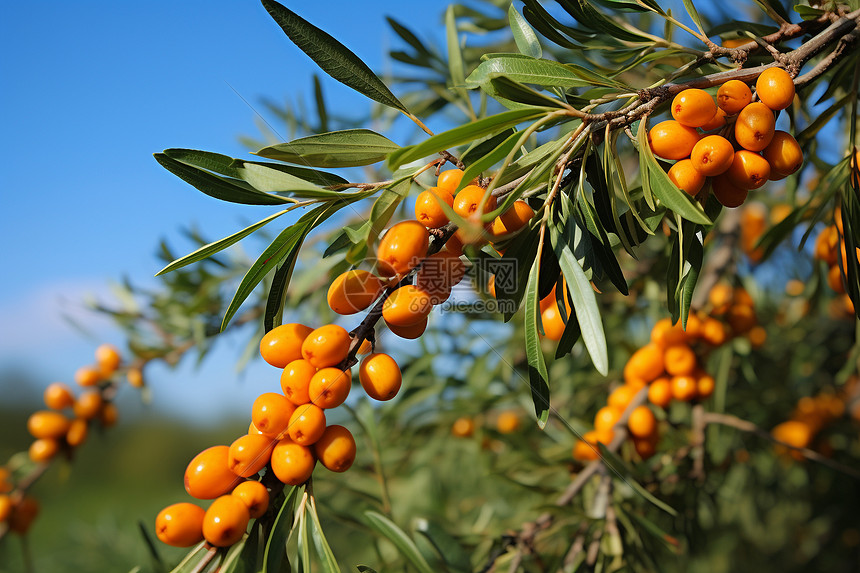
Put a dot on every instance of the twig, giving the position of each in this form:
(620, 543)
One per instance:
(207, 559)
(698, 443)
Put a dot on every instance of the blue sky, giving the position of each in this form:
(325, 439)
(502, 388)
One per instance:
(90, 90)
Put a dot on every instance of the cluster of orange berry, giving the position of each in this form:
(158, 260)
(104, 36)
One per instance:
(670, 366)
(17, 510)
(288, 434)
(811, 415)
(830, 248)
(753, 153)
(507, 422)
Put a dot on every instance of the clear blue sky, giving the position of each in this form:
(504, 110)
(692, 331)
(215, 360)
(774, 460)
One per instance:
(90, 90)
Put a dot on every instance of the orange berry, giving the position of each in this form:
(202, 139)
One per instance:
(292, 463)
(748, 170)
(295, 380)
(694, 326)
(508, 422)
(683, 388)
(660, 392)
(680, 360)
(733, 96)
(409, 332)
(794, 287)
(552, 322)
(254, 495)
(43, 450)
(88, 405)
(5, 480)
(712, 155)
(353, 291)
(329, 387)
(794, 433)
(307, 424)
(449, 180)
(271, 413)
(47, 424)
(283, 344)
(454, 245)
(326, 346)
(249, 454)
(23, 515)
(108, 415)
(469, 199)
(716, 122)
(428, 211)
(686, 177)
(621, 397)
(180, 524)
(402, 248)
(665, 334)
(775, 88)
(512, 220)
(672, 140)
(645, 365)
(720, 297)
(58, 396)
(693, 107)
(783, 153)
(606, 418)
(727, 193)
(380, 376)
(642, 422)
(253, 430)
(88, 376)
(5, 507)
(407, 305)
(336, 449)
(713, 332)
(705, 385)
(108, 359)
(754, 127)
(586, 449)
(463, 427)
(438, 275)
(77, 434)
(834, 279)
(208, 475)
(742, 296)
(735, 42)
(741, 318)
(825, 245)
(646, 447)
(135, 378)
(225, 521)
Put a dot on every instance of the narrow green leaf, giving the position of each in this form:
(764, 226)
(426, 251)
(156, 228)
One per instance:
(694, 14)
(276, 544)
(274, 312)
(587, 15)
(538, 376)
(346, 148)
(326, 557)
(448, 547)
(455, 57)
(484, 163)
(331, 56)
(521, 93)
(407, 548)
(320, 101)
(191, 560)
(527, 71)
(525, 38)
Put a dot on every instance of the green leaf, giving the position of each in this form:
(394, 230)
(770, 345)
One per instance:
(274, 312)
(331, 56)
(694, 14)
(190, 563)
(525, 38)
(538, 376)
(808, 12)
(484, 163)
(407, 548)
(276, 544)
(521, 93)
(462, 134)
(695, 255)
(327, 560)
(455, 56)
(587, 15)
(448, 548)
(527, 71)
(346, 148)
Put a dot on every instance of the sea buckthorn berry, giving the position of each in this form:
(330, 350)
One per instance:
(249, 454)
(409, 332)
(621, 397)
(646, 447)
(292, 463)
(283, 344)
(295, 380)
(108, 359)
(254, 495)
(366, 347)
(271, 414)
(401, 248)
(587, 449)
(733, 96)
(88, 405)
(713, 332)
(108, 415)
(783, 153)
(180, 524)
(672, 140)
(606, 418)
(512, 220)
(5, 507)
(407, 305)
(87, 376)
(47, 424)
(326, 346)
(794, 433)
(683, 388)
(225, 521)
(741, 318)
(463, 427)
(428, 210)
(380, 376)
(508, 422)
(454, 245)
(336, 449)
(754, 127)
(253, 430)
(23, 515)
(449, 180)
(716, 122)
(712, 155)
(469, 199)
(775, 88)
(438, 275)
(646, 364)
(686, 177)
(307, 424)
(642, 422)
(43, 450)
(329, 387)
(58, 396)
(748, 170)
(77, 434)
(5, 480)
(552, 322)
(665, 334)
(680, 360)
(740, 295)
(135, 378)
(834, 279)
(720, 298)
(208, 475)
(705, 385)
(727, 193)
(735, 42)
(353, 291)
(693, 107)
(693, 329)
(660, 392)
